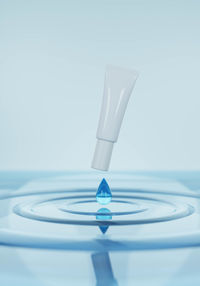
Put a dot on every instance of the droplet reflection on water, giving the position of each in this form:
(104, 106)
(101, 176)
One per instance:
(103, 194)
(104, 214)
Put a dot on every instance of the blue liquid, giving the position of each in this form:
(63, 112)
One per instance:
(104, 214)
(103, 194)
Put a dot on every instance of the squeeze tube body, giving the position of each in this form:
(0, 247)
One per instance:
(119, 83)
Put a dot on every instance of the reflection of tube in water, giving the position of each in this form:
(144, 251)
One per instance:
(118, 86)
(103, 269)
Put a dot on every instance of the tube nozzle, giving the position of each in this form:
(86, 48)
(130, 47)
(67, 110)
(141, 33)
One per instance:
(102, 155)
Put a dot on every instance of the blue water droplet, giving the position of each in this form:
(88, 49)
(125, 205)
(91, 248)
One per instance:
(103, 214)
(103, 194)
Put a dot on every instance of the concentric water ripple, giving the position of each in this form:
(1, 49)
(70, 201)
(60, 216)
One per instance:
(69, 218)
(142, 210)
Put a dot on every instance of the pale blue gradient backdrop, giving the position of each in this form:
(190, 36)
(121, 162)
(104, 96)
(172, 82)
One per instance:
(52, 60)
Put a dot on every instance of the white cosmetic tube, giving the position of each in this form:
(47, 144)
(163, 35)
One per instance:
(119, 83)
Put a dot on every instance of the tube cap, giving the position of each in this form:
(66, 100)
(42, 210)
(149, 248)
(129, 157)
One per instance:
(102, 155)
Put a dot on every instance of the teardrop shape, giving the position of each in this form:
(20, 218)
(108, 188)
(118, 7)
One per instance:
(103, 215)
(103, 194)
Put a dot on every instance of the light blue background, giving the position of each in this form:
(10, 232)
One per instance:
(52, 61)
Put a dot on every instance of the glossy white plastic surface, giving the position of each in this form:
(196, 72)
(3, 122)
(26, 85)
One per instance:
(103, 153)
(119, 83)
